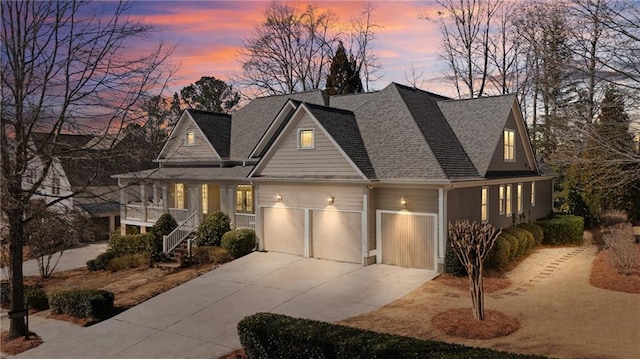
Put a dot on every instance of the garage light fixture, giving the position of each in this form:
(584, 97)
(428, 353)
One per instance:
(279, 197)
(330, 199)
(403, 202)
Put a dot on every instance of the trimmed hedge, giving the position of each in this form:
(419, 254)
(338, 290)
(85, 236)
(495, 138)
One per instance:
(525, 240)
(101, 261)
(210, 254)
(534, 229)
(239, 242)
(500, 254)
(211, 230)
(82, 303)
(266, 335)
(562, 229)
(33, 294)
(121, 245)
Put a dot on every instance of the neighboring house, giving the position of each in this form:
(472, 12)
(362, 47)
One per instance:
(79, 178)
(363, 178)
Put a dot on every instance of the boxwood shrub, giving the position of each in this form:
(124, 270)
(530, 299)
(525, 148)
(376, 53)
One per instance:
(562, 229)
(33, 294)
(121, 245)
(500, 254)
(534, 229)
(100, 262)
(266, 335)
(211, 230)
(239, 242)
(525, 240)
(82, 303)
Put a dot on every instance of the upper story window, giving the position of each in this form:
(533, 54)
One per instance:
(533, 194)
(306, 139)
(501, 199)
(519, 198)
(507, 201)
(509, 145)
(484, 214)
(244, 198)
(190, 138)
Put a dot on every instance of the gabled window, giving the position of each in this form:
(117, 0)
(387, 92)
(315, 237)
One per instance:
(484, 205)
(244, 198)
(507, 202)
(179, 195)
(306, 139)
(190, 138)
(501, 199)
(509, 145)
(519, 197)
(533, 194)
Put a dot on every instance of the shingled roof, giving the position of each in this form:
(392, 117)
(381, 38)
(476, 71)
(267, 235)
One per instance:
(216, 127)
(343, 128)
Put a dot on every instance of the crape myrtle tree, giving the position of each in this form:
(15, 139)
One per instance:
(67, 67)
(471, 242)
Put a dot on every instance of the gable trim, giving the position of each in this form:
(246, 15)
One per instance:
(524, 136)
(276, 124)
(174, 136)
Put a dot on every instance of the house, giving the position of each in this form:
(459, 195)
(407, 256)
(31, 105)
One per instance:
(363, 178)
(79, 177)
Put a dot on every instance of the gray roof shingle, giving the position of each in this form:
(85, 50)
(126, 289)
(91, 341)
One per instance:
(343, 128)
(216, 128)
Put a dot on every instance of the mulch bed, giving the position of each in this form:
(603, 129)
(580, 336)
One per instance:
(605, 276)
(18, 345)
(460, 322)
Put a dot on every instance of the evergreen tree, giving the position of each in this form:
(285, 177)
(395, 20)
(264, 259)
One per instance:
(344, 76)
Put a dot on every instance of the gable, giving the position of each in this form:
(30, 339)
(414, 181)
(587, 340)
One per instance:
(521, 162)
(325, 160)
(176, 148)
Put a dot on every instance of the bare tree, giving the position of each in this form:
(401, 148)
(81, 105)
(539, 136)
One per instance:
(66, 67)
(289, 52)
(361, 36)
(504, 50)
(471, 242)
(414, 77)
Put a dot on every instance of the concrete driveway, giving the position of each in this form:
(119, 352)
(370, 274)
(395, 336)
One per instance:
(198, 319)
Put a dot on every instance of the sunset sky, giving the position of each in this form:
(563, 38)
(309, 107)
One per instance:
(209, 34)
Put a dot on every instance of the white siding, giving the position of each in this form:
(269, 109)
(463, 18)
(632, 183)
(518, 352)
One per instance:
(324, 160)
(346, 198)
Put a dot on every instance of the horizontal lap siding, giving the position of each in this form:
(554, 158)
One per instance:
(312, 196)
(418, 200)
(325, 159)
(177, 150)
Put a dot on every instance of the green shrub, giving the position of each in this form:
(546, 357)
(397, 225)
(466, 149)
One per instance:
(562, 229)
(128, 261)
(210, 254)
(33, 294)
(524, 237)
(130, 244)
(211, 230)
(239, 242)
(164, 226)
(452, 263)
(500, 254)
(101, 261)
(36, 297)
(535, 230)
(514, 246)
(82, 303)
(266, 335)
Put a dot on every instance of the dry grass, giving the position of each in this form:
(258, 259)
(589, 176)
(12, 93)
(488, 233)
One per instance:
(490, 285)
(460, 322)
(18, 345)
(605, 276)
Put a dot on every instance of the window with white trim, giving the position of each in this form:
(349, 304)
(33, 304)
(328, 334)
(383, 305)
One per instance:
(190, 138)
(509, 138)
(484, 206)
(179, 195)
(205, 199)
(519, 198)
(501, 199)
(244, 198)
(533, 194)
(507, 202)
(306, 139)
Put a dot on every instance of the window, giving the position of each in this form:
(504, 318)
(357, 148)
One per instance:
(205, 199)
(507, 202)
(190, 138)
(501, 199)
(533, 194)
(244, 198)
(179, 194)
(519, 197)
(509, 146)
(55, 185)
(484, 214)
(306, 139)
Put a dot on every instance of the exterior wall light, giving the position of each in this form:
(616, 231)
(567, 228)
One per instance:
(330, 199)
(279, 197)
(403, 202)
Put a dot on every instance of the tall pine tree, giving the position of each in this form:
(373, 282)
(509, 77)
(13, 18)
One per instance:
(344, 75)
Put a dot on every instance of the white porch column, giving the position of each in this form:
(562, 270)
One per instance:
(123, 206)
(143, 203)
(155, 194)
(165, 198)
(112, 223)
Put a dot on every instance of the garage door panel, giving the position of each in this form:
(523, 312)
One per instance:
(408, 240)
(283, 230)
(337, 235)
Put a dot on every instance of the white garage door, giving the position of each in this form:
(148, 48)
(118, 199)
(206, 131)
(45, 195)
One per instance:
(337, 235)
(407, 239)
(283, 230)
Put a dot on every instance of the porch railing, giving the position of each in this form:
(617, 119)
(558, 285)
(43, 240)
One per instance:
(245, 220)
(180, 215)
(137, 212)
(182, 232)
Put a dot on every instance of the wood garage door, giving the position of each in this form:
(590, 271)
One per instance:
(408, 240)
(337, 235)
(283, 230)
